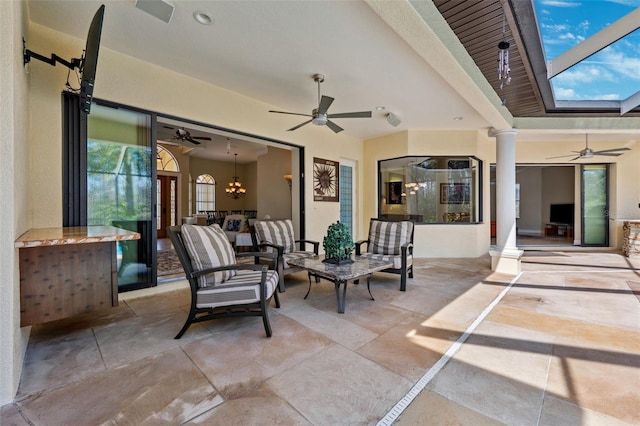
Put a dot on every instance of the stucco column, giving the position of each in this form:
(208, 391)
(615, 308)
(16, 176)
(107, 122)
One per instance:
(505, 256)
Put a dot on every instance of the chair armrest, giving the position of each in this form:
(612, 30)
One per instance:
(280, 249)
(303, 243)
(359, 244)
(260, 255)
(406, 247)
(236, 267)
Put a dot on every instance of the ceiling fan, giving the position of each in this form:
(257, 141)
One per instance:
(589, 153)
(319, 115)
(185, 136)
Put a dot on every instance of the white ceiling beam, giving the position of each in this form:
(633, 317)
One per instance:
(630, 103)
(603, 38)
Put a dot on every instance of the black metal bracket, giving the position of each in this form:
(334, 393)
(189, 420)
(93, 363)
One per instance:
(28, 54)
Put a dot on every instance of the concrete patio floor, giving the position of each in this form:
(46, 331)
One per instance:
(559, 345)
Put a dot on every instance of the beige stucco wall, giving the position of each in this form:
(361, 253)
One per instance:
(15, 217)
(432, 240)
(273, 195)
(132, 82)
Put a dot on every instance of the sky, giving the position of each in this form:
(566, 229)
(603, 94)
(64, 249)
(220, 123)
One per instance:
(610, 74)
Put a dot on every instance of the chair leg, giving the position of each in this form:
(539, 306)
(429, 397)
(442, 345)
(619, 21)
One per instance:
(281, 288)
(403, 280)
(186, 325)
(276, 299)
(265, 321)
(411, 271)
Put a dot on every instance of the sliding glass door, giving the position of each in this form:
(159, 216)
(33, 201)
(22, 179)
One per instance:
(595, 225)
(120, 187)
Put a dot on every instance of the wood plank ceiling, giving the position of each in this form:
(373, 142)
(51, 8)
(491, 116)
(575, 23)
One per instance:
(479, 26)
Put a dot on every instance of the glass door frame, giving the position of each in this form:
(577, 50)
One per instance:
(151, 244)
(606, 206)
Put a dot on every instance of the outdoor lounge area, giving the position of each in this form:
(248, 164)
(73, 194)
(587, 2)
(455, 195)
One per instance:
(509, 292)
(559, 347)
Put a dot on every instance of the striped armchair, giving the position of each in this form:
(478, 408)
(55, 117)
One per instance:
(393, 241)
(276, 236)
(220, 288)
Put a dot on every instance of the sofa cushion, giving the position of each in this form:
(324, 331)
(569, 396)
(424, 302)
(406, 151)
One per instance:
(397, 260)
(277, 232)
(209, 247)
(387, 237)
(243, 288)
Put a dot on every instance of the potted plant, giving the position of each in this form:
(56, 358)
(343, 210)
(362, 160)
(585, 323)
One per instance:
(338, 244)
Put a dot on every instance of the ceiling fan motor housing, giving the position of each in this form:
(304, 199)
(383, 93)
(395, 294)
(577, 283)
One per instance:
(318, 119)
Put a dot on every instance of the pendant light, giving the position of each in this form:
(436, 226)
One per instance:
(235, 189)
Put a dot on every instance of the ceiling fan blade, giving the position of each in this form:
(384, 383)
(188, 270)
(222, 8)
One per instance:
(361, 114)
(204, 138)
(299, 125)
(560, 156)
(576, 158)
(608, 154)
(611, 150)
(291, 113)
(193, 141)
(325, 103)
(333, 126)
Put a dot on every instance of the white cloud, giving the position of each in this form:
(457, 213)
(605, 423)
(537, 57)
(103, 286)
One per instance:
(583, 74)
(565, 94)
(560, 3)
(607, 97)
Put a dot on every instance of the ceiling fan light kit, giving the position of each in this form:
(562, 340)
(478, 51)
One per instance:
(319, 115)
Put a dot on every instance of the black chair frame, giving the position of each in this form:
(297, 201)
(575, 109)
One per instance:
(301, 244)
(205, 314)
(405, 249)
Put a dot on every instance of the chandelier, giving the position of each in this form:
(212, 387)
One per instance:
(235, 189)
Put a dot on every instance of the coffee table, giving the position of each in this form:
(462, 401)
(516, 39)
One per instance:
(340, 274)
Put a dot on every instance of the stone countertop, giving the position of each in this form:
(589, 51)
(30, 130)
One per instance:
(73, 235)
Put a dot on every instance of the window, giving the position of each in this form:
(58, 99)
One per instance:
(205, 193)
(430, 189)
(165, 161)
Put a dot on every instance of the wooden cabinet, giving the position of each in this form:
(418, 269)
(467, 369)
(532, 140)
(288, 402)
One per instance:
(68, 271)
(558, 230)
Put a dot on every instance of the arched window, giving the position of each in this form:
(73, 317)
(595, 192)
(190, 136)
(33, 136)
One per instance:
(205, 193)
(165, 160)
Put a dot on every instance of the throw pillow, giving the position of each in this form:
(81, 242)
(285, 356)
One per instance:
(388, 237)
(278, 232)
(233, 225)
(209, 247)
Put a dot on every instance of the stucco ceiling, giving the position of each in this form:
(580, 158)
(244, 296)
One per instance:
(372, 54)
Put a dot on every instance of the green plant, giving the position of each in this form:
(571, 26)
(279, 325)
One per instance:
(338, 244)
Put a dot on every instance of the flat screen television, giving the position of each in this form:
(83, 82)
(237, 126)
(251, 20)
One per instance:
(90, 61)
(561, 213)
(87, 64)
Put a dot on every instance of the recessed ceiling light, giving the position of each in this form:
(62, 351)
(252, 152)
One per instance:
(457, 118)
(380, 108)
(202, 17)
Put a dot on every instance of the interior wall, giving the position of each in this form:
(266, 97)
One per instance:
(223, 173)
(557, 188)
(274, 195)
(15, 218)
(530, 180)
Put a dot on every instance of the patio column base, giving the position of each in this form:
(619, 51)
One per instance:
(506, 260)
